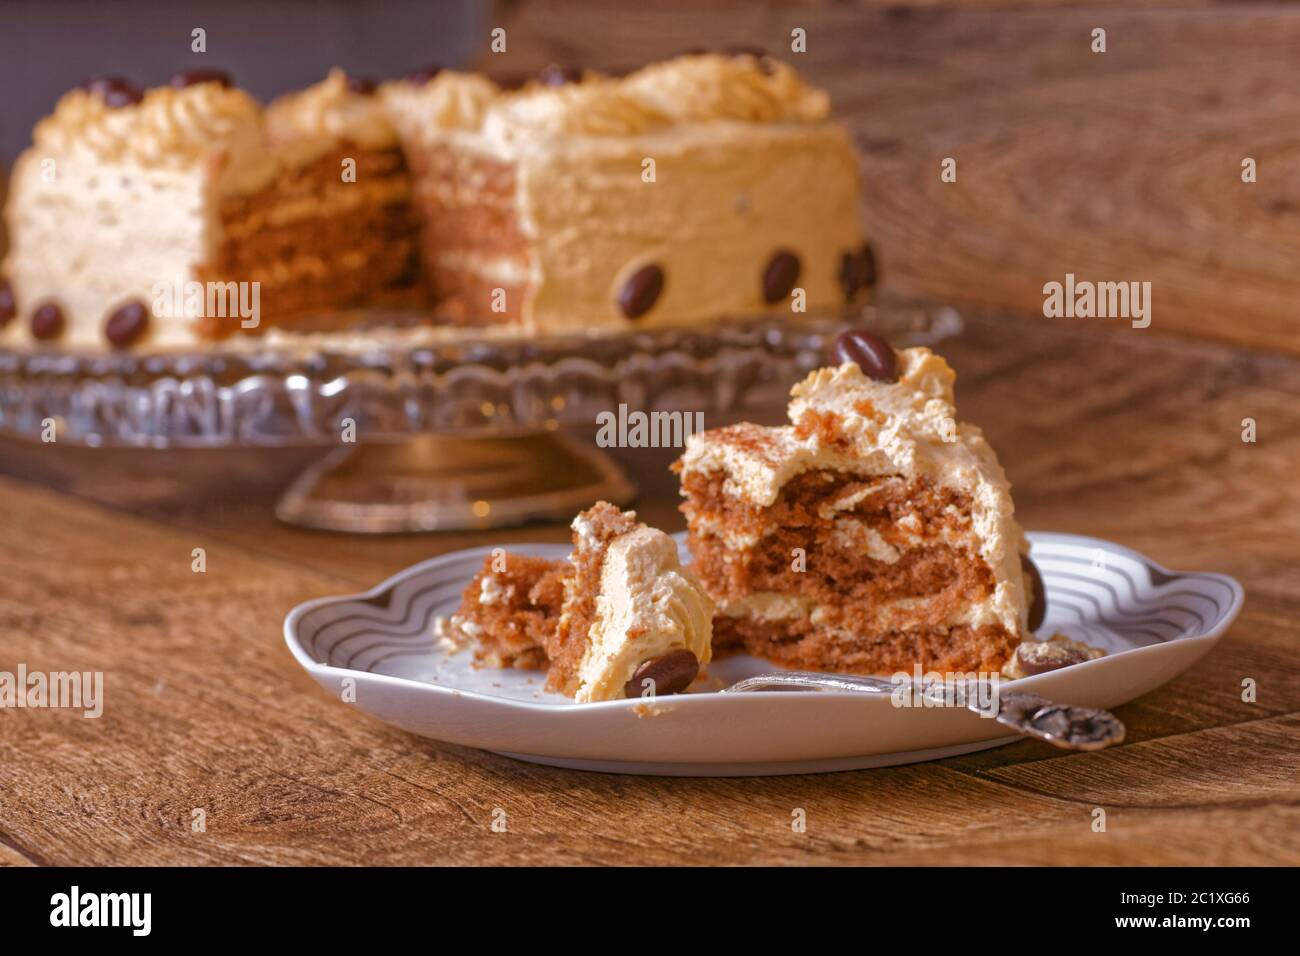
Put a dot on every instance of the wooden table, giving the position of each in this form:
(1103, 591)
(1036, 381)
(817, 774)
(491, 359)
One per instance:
(1104, 430)
(1123, 165)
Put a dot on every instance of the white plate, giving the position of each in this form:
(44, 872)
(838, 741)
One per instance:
(377, 649)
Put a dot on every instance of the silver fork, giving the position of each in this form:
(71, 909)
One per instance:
(1062, 725)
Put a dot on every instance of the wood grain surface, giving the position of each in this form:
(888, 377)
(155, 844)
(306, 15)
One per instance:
(1115, 166)
(1125, 434)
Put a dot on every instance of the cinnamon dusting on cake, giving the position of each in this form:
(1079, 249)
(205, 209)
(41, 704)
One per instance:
(902, 521)
(824, 426)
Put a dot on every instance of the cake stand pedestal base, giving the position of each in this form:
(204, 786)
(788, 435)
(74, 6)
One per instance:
(428, 483)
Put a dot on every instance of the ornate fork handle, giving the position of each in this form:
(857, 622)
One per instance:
(1062, 725)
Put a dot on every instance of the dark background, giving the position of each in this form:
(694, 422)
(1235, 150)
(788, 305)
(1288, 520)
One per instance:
(47, 46)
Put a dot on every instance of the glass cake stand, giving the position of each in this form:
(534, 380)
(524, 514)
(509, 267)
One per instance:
(429, 428)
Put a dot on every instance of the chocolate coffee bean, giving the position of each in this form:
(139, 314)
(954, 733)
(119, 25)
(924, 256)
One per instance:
(640, 291)
(765, 63)
(857, 270)
(512, 81)
(780, 276)
(555, 75)
(362, 85)
(122, 96)
(423, 75)
(1037, 598)
(869, 352)
(126, 324)
(115, 91)
(8, 305)
(47, 322)
(194, 77)
(1039, 657)
(672, 673)
(102, 81)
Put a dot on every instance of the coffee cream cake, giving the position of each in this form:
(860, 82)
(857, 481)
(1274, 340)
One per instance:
(168, 216)
(702, 187)
(620, 618)
(695, 189)
(872, 534)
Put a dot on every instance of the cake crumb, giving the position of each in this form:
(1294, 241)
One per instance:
(651, 708)
(447, 636)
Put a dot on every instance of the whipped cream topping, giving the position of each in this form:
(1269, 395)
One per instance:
(168, 128)
(714, 86)
(331, 112)
(449, 101)
(648, 605)
(595, 107)
(76, 112)
(885, 428)
(904, 427)
(687, 89)
(907, 427)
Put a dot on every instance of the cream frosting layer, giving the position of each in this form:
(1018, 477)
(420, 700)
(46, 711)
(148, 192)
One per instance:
(648, 605)
(450, 101)
(95, 237)
(909, 428)
(329, 113)
(110, 204)
(687, 90)
(726, 197)
(595, 107)
(705, 166)
(684, 90)
(202, 126)
(713, 86)
(898, 614)
(847, 533)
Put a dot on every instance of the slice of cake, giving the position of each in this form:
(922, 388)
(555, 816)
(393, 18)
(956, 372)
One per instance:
(464, 202)
(698, 188)
(634, 621)
(620, 618)
(120, 191)
(345, 163)
(166, 217)
(510, 610)
(873, 534)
